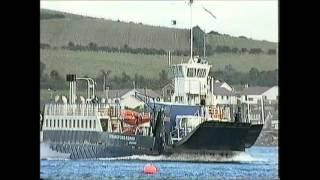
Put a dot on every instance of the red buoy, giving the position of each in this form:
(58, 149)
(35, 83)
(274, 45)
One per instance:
(150, 169)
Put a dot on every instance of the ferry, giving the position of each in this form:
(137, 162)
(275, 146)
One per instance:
(192, 122)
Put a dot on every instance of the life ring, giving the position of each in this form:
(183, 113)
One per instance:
(158, 98)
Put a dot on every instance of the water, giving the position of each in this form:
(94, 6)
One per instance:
(256, 163)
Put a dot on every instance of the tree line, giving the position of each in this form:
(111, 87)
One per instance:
(198, 49)
(54, 80)
(51, 16)
(198, 37)
(254, 77)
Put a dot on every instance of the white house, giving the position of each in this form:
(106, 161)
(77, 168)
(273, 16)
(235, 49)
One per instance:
(223, 94)
(223, 85)
(253, 94)
(132, 98)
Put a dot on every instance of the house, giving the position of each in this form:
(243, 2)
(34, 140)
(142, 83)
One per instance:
(223, 94)
(275, 121)
(223, 84)
(253, 94)
(255, 116)
(167, 91)
(131, 98)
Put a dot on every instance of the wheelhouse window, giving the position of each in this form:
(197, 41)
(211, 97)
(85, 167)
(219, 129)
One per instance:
(192, 72)
(90, 124)
(204, 72)
(86, 123)
(54, 123)
(50, 123)
(77, 123)
(94, 124)
(189, 72)
(199, 72)
(58, 123)
(81, 123)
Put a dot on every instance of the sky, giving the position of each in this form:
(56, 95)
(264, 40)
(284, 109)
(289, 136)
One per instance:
(257, 19)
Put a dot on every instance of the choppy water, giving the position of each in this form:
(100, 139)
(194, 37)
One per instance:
(256, 163)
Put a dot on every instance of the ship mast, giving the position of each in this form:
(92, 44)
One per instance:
(191, 33)
(204, 44)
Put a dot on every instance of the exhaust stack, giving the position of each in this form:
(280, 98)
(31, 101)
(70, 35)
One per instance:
(72, 79)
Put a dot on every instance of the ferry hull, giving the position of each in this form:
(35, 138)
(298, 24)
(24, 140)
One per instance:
(85, 144)
(211, 137)
(208, 138)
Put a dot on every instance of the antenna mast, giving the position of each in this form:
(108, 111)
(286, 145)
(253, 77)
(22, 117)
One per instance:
(204, 44)
(191, 35)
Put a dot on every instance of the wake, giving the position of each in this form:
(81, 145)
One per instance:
(241, 157)
(48, 154)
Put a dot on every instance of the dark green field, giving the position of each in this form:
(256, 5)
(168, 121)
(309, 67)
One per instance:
(90, 63)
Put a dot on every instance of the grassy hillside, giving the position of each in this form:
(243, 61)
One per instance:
(90, 63)
(83, 30)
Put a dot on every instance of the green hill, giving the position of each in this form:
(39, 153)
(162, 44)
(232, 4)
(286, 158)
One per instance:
(83, 30)
(58, 28)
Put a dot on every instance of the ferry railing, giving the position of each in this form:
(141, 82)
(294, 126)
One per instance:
(82, 110)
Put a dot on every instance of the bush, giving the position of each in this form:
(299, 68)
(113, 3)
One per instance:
(223, 49)
(272, 51)
(214, 32)
(44, 46)
(255, 51)
(243, 37)
(244, 50)
(51, 16)
(235, 50)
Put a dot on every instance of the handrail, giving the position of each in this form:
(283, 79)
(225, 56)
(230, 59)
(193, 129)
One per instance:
(81, 109)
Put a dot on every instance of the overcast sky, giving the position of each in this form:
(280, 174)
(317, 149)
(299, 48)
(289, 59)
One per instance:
(257, 19)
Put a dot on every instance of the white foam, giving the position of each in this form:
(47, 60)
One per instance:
(49, 154)
(239, 157)
(137, 157)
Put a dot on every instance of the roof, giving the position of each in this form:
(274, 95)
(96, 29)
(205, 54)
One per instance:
(149, 92)
(120, 92)
(255, 90)
(221, 91)
(218, 84)
(170, 84)
(117, 92)
(158, 91)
